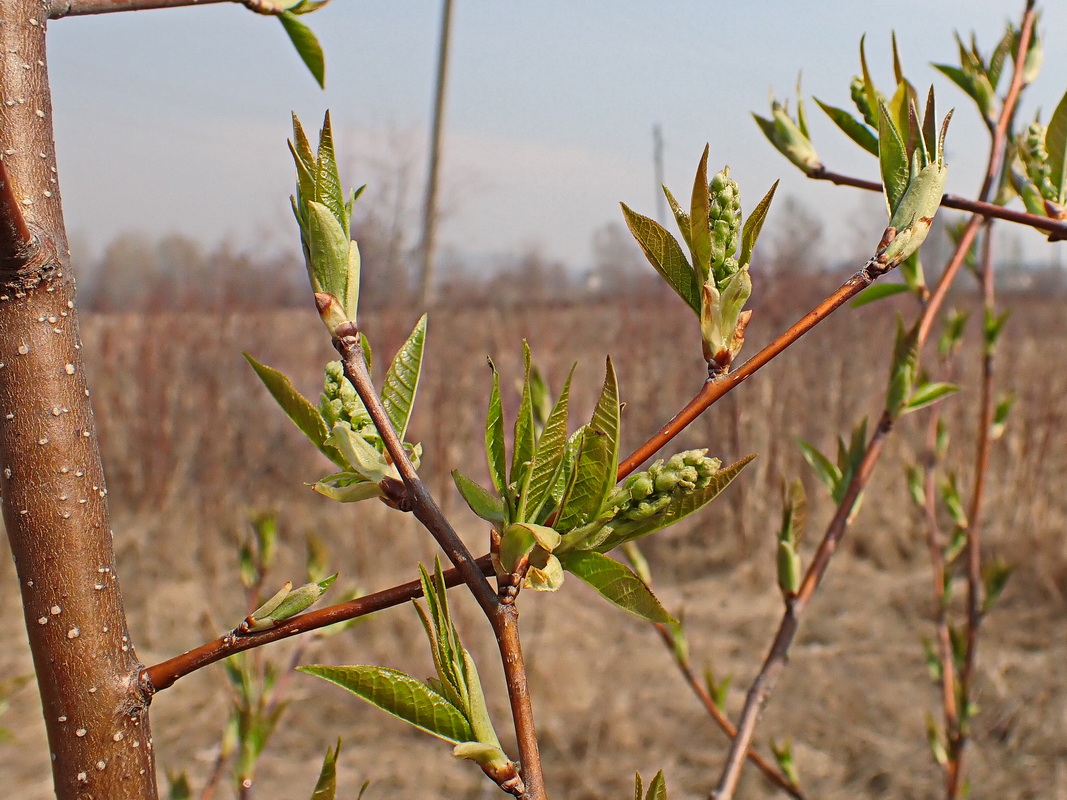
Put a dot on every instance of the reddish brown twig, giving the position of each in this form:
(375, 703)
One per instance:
(716, 387)
(701, 691)
(960, 734)
(164, 674)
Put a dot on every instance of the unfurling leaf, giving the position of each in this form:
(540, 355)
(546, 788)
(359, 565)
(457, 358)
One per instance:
(665, 254)
(853, 128)
(783, 754)
(790, 570)
(402, 379)
(326, 786)
(927, 394)
(481, 501)
(657, 790)
(935, 741)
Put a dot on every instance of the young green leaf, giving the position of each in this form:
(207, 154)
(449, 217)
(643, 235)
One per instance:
(402, 379)
(927, 394)
(699, 213)
(878, 291)
(524, 441)
(680, 216)
(402, 696)
(1000, 415)
(307, 46)
(914, 477)
(617, 583)
(597, 461)
(789, 568)
(754, 224)
(657, 790)
(1056, 145)
(853, 128)
(548, 463)
(892, 157)
(520, 538)
(298, 408)
(179, 786)
(995, 575)
(825, 470)
(326, 785)
(494, 440)
(665, 254)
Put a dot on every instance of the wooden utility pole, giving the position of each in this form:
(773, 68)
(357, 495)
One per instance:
(657, 164)
(429, 215)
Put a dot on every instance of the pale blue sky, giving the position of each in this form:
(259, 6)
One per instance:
(176, 120)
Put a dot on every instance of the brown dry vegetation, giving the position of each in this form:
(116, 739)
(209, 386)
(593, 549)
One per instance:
(192, 444)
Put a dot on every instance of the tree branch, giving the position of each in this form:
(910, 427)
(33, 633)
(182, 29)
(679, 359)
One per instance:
(164, 674)
(57, 9)
(776, 660)
(1055, 228)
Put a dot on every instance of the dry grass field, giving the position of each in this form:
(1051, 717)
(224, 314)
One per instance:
(193, 444)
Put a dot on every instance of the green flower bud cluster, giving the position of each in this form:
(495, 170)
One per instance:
(340, 403)
(1035, 156)
(644, 494)
(859, 97)
(724, 221)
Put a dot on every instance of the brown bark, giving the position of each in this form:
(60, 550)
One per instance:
(55, 504)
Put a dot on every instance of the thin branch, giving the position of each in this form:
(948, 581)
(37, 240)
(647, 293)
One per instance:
(1055, 228)
(776, 660)
(700, 690)
(958, 743)
(57, 9)
(164, 674)
(938, 573)
(716, 387)
(506, 626)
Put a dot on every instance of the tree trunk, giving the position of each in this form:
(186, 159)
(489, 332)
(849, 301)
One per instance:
(54, 500)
